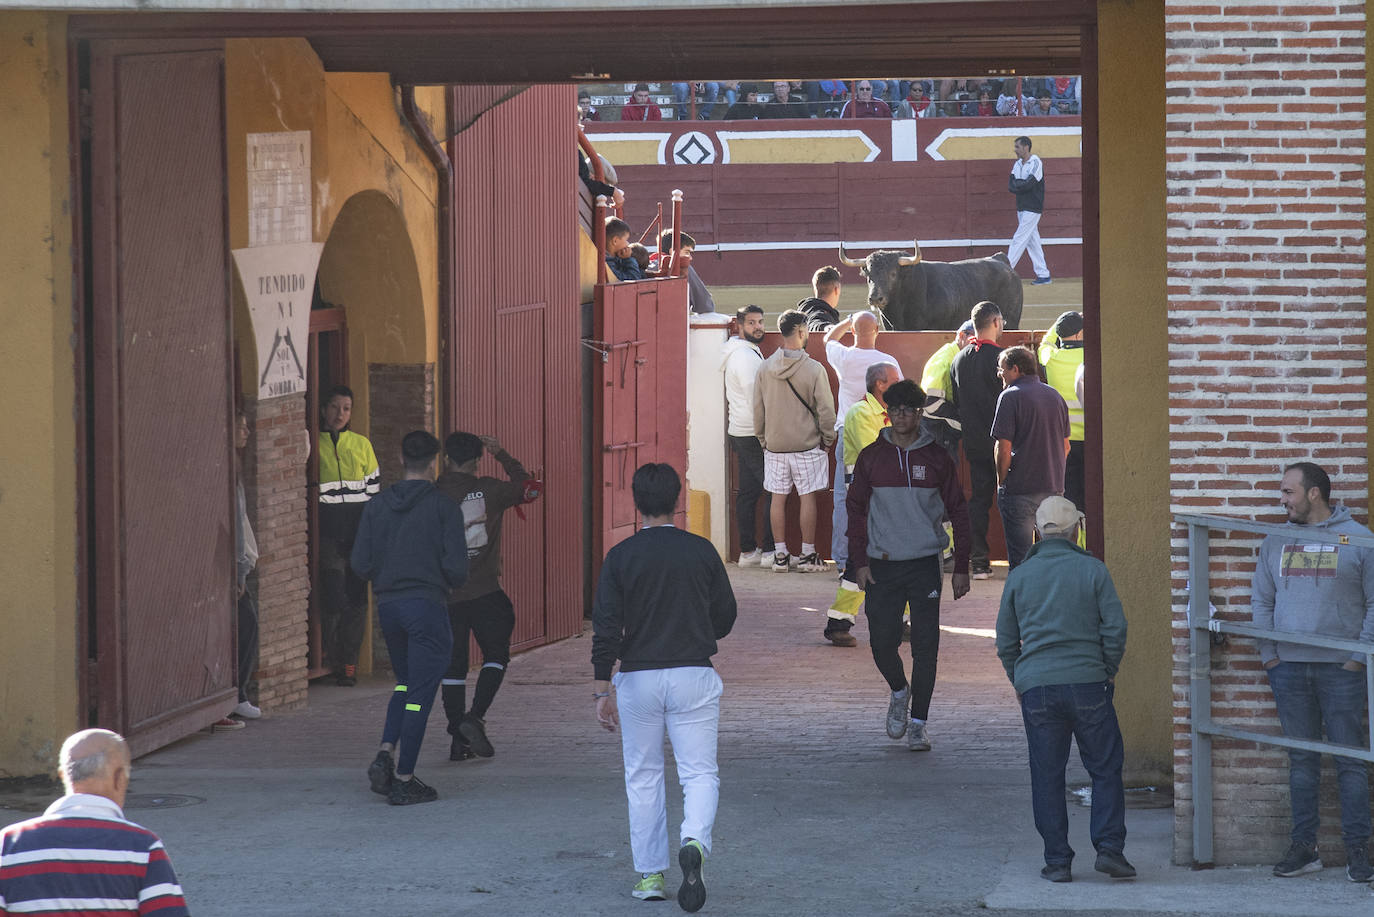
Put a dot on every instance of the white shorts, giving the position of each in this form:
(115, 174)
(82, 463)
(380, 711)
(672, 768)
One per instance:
(808, 471)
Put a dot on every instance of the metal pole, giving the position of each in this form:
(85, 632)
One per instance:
(674, 264)
(1200, 693)
(599, 237)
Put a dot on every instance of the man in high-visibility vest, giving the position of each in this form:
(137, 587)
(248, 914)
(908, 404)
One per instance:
(941, 420)
(1061, 355)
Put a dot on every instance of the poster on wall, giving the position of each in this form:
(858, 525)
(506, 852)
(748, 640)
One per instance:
(279, 282)
(279, 188)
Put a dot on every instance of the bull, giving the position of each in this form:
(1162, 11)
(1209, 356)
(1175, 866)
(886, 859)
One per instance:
(916, 295)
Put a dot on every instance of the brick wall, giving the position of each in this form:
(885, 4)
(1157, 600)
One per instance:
(400, 399)
(1267, 339)
(274, 479)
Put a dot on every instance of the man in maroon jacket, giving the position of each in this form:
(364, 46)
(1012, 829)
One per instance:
(904, 484)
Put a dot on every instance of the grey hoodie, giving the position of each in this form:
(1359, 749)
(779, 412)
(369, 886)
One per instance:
(781, 421)
(1311, 588)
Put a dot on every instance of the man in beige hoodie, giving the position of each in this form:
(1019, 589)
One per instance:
(794, 418)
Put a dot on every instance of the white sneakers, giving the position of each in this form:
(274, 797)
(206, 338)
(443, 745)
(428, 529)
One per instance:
(917, 739)
(752, 558)
(246, 710)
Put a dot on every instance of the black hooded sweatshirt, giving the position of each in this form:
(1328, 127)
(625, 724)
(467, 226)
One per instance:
(410, 544)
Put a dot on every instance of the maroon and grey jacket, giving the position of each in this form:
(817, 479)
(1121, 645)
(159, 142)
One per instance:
(898, 498)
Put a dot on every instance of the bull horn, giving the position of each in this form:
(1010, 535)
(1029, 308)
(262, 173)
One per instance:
(913, 259)
(848, 261)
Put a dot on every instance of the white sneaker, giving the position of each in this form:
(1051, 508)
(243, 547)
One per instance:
(246, 710)
(780, 562)
(751, 558)
(810, 563)
(896, 713)
(917, 739)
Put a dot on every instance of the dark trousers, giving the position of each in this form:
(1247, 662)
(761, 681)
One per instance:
(983, 478)
(897, 584)
(343, 605)
(1054, 714)
(491, 619)
(750, 453)
(247, 640)
(419, 642)
(1075, 488)
(1018, 522)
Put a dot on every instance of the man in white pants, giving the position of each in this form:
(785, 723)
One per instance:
(662, 602)
(1027, 182)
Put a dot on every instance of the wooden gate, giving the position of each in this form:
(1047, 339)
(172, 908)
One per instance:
(640, 401)
(160, 408)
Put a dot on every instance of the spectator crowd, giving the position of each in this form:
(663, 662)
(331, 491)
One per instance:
(734, 100)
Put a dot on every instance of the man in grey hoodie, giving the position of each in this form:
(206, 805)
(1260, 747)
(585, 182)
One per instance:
(1322, 589)
(794, 419)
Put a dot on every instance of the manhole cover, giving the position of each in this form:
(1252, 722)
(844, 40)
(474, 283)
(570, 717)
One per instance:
(160, 801)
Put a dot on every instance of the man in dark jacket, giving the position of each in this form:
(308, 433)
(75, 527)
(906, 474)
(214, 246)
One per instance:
(904, 484)
(410, 545)
(480, 606)
(662, 602)
(974, 389)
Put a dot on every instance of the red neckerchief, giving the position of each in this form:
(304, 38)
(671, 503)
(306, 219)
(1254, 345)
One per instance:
(979, 342)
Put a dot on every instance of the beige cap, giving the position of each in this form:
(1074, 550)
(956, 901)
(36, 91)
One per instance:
(1057, 515)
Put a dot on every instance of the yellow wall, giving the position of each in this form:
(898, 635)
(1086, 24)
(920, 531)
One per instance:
(1135, 431)
(38, 606)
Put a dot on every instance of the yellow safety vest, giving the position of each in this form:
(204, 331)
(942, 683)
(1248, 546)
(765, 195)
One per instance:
(935, 378)
(1060, 370)
(348, 468)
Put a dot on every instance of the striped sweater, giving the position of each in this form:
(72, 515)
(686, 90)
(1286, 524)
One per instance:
(82, 856)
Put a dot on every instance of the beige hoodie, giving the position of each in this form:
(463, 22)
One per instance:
(781, 421)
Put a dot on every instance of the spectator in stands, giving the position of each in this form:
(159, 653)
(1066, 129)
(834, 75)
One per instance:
(682, 99)
(986, 106)
(863, 105)
(1044, 105)
(729, 91)
(826, 97)
(1064, 92)
(639, 108)
(82, 856)
(699, 300)
(917, 104)
(783, 105)
(643, 257)
(1009, 104)
(619, 258)
(747, 109)
(585, 110)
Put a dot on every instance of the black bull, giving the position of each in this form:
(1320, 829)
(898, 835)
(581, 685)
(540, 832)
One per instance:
(916, 295)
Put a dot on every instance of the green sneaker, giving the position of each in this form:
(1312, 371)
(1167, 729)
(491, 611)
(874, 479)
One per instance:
(650, 888)
(692, 858)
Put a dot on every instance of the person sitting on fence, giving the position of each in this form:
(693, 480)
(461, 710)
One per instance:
(619, 258)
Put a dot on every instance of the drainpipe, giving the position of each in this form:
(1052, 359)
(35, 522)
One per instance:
(448, 268)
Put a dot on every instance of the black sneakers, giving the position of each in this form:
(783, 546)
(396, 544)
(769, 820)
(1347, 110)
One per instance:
(460, 750)
(1299, 859)
(409, 792)
(1357, 868)
(1114, 864)
(381, 773)
(1057, 872)
(474, 730)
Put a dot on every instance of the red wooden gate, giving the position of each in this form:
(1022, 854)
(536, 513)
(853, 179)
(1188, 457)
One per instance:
(640, 401)
(160, 409)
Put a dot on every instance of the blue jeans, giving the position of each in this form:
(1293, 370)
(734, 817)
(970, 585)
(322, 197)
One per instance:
(682, 93)
(1308, 695)
(839, 517)
(1018, 522)
(419, 641)
(1053, 714)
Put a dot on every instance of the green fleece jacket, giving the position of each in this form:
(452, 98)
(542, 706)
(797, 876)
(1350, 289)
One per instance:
(1061, 621)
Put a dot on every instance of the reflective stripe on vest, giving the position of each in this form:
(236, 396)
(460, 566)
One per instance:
(1060, 370)
(348, 469)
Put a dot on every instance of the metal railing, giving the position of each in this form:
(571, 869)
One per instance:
(1202, 625)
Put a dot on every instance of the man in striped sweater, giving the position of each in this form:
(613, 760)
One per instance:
(82, 856)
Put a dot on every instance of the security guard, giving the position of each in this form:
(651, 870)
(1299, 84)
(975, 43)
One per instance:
(1061, 355)
(941, 420)
(349, 477)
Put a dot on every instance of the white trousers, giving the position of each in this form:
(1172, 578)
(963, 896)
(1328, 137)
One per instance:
(1027, 239)
(685, 702)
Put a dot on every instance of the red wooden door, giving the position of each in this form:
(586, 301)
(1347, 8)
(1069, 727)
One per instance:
(160, 406)
(640, 400)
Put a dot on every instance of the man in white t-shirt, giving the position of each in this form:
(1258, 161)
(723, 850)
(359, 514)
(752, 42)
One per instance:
(850, 364)
(740, 362)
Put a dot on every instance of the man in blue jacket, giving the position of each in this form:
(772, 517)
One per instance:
(410, 544)
(1061, 634)
(1325, 590)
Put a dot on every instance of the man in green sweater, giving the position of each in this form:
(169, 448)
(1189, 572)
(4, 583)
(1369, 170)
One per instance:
(1061, 634)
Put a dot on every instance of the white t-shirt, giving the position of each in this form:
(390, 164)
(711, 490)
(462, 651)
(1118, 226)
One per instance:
(851, 364)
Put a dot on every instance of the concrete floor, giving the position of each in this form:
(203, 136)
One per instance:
(821, 813)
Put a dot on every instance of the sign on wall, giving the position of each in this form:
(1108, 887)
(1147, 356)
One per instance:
(278, 266)
(279, 281)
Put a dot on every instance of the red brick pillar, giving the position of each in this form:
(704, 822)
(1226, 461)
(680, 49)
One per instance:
(400, 399)
(1267, 340)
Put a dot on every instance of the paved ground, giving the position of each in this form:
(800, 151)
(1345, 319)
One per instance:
(821, 814)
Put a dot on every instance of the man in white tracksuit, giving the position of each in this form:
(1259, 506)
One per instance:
(1027, 182)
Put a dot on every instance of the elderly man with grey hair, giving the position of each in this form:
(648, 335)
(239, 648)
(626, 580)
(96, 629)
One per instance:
(1061, 634)
(82, 855)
